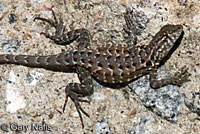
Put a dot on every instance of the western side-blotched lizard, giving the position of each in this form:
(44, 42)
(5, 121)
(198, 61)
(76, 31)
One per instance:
(111, 64)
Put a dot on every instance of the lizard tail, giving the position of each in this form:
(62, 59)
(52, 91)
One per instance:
(52, 62)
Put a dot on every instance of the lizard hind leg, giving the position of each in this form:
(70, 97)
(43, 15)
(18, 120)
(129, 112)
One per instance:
(75, 91)
(61, 36)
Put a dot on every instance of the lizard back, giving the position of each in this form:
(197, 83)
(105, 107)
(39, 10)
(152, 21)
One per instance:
(117, 64)
(110, 63)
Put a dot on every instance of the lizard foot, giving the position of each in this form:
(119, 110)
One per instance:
(76, 99)
(181, 77)
(60, 37)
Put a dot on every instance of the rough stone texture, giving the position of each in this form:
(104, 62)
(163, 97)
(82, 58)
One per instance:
(192, 101)
(102, 127)
(144, 125)
(42, 91)
(165, 101)
(10, 45)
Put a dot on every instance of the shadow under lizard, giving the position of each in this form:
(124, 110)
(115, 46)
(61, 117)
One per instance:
(111, 64)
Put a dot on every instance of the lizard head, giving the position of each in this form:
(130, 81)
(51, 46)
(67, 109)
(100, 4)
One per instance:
(166, 41)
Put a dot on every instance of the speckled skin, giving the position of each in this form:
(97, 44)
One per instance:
(109, 64)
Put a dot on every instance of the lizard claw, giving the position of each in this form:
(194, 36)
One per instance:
(182, 76)
(53, 22)
(60, 36)
(73, 96)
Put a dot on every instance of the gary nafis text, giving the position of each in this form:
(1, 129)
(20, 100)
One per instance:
(25, 128)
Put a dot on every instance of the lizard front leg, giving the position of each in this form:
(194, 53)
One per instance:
(76, 91)
(178, 79)
(129, 30)
(62, 37)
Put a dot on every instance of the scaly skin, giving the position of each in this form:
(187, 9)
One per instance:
(110, 64)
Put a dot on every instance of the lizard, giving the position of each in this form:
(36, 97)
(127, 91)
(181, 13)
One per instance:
(111, 64)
